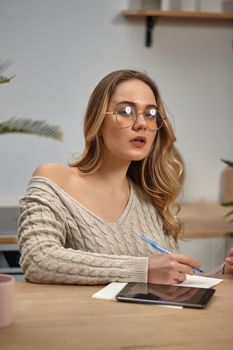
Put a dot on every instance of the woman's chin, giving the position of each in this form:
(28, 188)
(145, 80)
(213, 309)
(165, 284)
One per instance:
(137, 158)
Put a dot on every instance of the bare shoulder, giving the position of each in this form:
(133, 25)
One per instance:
(58, 173)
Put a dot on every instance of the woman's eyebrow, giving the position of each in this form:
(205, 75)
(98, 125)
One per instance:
(133, 104)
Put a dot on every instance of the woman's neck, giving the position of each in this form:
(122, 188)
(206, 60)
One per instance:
(112, 173)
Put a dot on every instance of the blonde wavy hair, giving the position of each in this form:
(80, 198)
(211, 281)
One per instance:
(160, 173)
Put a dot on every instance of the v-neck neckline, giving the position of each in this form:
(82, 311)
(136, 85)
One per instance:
(97, 217)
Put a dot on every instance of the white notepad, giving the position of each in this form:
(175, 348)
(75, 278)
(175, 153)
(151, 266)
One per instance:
(110, 291)
(200, 281)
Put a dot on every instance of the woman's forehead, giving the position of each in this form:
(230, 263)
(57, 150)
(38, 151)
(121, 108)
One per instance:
(133, 90)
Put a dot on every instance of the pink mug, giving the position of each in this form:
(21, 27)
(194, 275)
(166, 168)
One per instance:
(7, 283)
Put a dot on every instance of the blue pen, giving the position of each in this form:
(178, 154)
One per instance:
(163, 250)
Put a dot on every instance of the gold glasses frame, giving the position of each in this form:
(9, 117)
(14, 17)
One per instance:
(136, 115)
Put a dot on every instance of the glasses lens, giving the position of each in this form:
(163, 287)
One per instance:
(125, 116)
(153, 119)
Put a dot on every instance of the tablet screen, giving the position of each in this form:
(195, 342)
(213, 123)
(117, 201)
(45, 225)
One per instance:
(165, 294)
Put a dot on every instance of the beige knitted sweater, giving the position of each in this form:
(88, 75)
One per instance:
(61, 241)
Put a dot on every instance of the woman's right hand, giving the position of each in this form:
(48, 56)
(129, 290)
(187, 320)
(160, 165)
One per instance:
(170, 268)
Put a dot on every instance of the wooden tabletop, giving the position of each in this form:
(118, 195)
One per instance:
(66, 318)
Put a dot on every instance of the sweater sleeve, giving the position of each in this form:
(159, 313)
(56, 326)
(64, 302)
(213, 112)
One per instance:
(45, 259)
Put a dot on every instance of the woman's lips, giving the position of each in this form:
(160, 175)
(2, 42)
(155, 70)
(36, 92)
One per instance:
(138, 141)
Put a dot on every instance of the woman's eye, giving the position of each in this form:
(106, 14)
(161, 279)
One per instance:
(126, 111)
(151, 113)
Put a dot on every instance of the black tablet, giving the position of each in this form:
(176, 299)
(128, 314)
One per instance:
(165, 294)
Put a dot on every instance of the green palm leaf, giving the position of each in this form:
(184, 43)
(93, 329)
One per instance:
(229, 214)
(3, 66)
(28, 126)
(227, 204)
(227, 162)
(4, 80)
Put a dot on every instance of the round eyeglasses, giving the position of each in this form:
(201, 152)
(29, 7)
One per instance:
(126, 116)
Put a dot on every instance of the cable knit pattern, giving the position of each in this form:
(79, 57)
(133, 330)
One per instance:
(61, 241)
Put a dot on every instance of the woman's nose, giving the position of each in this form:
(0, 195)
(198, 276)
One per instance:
(140, 122)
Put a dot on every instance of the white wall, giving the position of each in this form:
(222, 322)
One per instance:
(62, 48)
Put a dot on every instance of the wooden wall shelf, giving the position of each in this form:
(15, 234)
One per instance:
(152, 15)
(205, 220)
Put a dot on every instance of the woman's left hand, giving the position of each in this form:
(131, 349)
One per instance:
(228, 268)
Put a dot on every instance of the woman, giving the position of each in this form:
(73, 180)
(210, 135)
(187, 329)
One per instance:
(81, 224)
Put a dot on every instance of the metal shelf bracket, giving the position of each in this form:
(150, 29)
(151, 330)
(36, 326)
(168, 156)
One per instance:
(150, 23)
